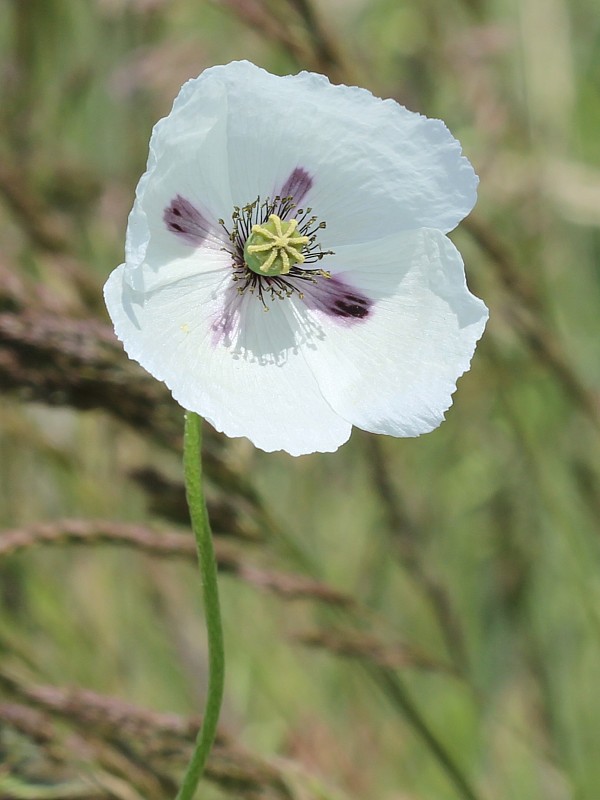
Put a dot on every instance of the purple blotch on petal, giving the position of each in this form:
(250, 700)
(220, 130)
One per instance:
(338, 299)
(297, 185)
(350, 305)
(184, 219)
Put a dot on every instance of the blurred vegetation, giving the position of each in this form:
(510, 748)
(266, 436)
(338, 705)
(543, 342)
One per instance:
(405, 619)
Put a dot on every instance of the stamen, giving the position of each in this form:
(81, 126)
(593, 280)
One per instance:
(271, 252)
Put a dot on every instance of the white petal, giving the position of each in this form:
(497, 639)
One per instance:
(188, 158)
(174, 268)
(395, 370)
(256, 385)
(377, 168)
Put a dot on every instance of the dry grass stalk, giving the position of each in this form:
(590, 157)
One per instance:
(288, 586)
(143, 746)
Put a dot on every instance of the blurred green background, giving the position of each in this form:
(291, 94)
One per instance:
(405, 619)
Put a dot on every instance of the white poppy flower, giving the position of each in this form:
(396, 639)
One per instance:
(287, 272)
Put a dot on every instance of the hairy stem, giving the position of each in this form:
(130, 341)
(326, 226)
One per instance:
(192, 467)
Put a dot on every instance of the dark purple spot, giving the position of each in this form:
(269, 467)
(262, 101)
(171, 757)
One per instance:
(184, 219)
(336, 298)
(297, 185)
(350, 306)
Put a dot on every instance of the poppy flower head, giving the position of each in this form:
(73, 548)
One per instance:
(287, 272)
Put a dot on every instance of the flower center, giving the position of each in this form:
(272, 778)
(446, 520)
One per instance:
(273, 256)
(274, 247)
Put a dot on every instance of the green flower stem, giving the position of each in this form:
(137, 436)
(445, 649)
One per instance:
(192, 467)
